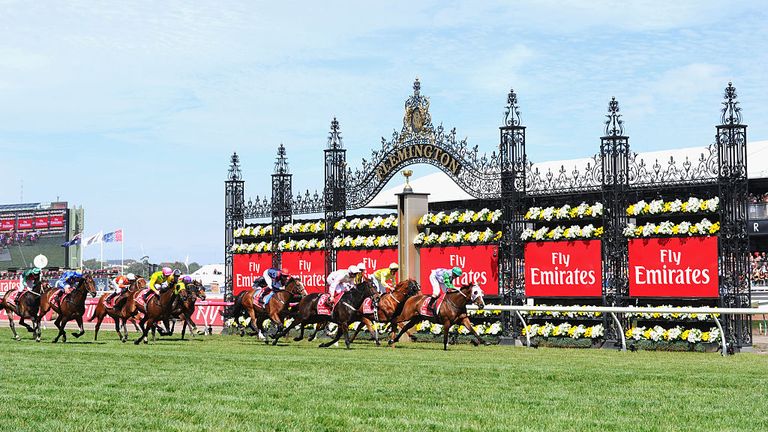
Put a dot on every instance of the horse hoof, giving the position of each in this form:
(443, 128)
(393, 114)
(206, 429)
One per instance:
(474, 343)
(413, 338)
(17, 338)
(486, 343)
(37, 339)
(77, 335)
(296, 339)
(137, 342)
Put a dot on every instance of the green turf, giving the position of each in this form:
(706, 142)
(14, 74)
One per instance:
(233, 383)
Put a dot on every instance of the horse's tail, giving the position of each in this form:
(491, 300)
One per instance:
(236, 309)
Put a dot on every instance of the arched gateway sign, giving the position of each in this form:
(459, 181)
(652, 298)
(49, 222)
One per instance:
(614, 179)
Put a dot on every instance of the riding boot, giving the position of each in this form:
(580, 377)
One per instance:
(431, 306)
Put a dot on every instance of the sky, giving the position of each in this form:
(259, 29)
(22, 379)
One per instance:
(132, 109)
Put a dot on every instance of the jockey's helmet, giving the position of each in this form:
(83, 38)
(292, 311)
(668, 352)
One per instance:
(131, 277)
(122, 281)
(353, 269)
(167, 271)
(457, 271)
(187, 279)
(177, 273)
(394, 266)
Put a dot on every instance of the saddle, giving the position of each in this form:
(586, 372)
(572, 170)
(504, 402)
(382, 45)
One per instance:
(262, 296)
(139, 297)
(15, 294)
(426, 311)
(112, 299)
(59, 297)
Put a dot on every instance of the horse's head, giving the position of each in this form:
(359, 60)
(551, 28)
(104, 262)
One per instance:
(199, 289)
(88, 284)
(367, 288)
(138, 285)
(182, 291)
(477, 296)
(413, 287)
(295, 287)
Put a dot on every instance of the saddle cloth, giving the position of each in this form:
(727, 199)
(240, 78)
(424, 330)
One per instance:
(262, 296)
(111, 299)
(322, 305)
(57, 299)
(11, 301)
(367, 307)
(139, 297)
(424, 310)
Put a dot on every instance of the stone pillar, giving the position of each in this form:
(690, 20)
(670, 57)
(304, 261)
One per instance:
(411, 206)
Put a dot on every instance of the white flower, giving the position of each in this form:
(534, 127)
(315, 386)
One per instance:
(540, 234)
(665, 228)
(495, 216)
(639, 206)
(233, 248)
(533, 213)
(572, 232)
(557, 232)
(588, 231)
(649, 229)
(563, 212)
(713, 204)
(683, 227)
(597, 209)
(419, 239)
(629, 230)
(656, 207)
(693, 205)
(548, 213)
(676, 206)
(527, 234)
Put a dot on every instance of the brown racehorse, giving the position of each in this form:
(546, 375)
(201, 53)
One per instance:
(123, 309)
(389, 307)
(184, 308)
(70, 307)
(347, 311)
(277, 308)
(156, 309)
(453, 310)
(26, 306)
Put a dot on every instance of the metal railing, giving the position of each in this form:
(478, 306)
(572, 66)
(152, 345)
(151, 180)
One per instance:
(620, 310)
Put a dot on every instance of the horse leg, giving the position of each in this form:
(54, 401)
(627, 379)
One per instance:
(125, 330)
(318, 327)
(468, 324)
(13, 326)
(79, 321)
(144, 330)
(21, 322)
(346, 334)
(446, 327)
(334, 340)
(99, 319)
(365, 321)
(117, 329)
(37, 329)
(373, 331)
(184, 329)
(405, 328)
(301, 334)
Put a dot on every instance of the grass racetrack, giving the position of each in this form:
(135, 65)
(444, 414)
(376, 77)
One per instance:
(233, 383)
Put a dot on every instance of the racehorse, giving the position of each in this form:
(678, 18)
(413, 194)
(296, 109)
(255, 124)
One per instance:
(346, 311)
(69, 306)
(184, 308)
(453, 310)
(277, 309)
(157, 308)
(123, 308)
(26, 306)
(390, 306)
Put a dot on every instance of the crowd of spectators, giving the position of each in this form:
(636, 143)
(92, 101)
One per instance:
(20, 238)
(757, 198)
(54, 274)
(759, 266)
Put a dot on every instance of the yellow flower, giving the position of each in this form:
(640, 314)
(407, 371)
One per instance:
(599, 232)
(646, 209)
(685, 206)
(676, 229)
(631, 210)
(714, 228)
(628, 333)
(667, 207)
(705, 337)
(588, 333)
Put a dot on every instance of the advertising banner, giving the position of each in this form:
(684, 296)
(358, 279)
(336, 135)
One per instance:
(57, 221)
(246, 267)
(374, 259)
(673, 267)
(25, 223)
(7, 224)
(309, 266)
(41, 222)
(480, 264)
(9, 284)
(563, 269)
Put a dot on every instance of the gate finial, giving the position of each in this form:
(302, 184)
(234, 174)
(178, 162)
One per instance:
(334, 137)
(512, 114)
(281, 164)
(731, 110)
(614, 126)
(234, 168)
(416, 87)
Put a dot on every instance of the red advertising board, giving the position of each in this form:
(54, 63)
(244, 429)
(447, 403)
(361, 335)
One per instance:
(480, 264)
(373, 259)
(9, 284)
(246, 267)
(673, 267)
(25, 223)
(41, 222)
(309, 266)
(563, 269)
(57, 221)
(7, 224)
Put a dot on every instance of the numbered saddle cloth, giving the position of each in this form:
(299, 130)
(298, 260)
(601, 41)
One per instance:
(425, 310)
(59, 297)
(262, 296)
(14, 295)
(367, 308)
(322, 305)
(139, 297)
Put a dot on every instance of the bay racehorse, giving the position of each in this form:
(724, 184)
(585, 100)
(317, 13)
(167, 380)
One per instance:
(26, 306)
(277, 309)
(184, 307)
(122, 308)
(69, 306)
(156, 309)
(453, 310)
(346, 311)
(389, 307)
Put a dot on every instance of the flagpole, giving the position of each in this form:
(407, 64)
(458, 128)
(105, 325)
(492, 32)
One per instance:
(122, 251)
(101, 254)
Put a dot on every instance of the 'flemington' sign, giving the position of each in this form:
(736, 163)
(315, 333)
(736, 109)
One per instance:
(415, 151)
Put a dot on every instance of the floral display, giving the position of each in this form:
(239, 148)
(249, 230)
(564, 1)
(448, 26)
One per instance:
(672, 316)
(668, 228)
(661, 207)
(251, 247)
(561, 314)
(481, 329)
(573, 232)
(253, 231)
(373, 241)
(460, 217)
(460, 237)
(580, 211)
(658, 333)
(564, 330)
(377, 222)
(305, 227)
(301, 245)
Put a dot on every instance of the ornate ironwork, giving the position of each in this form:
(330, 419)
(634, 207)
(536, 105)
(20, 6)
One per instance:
(702, 170)
(564, 180)
(282, 196)
(234, 216)
(731, 112)
(614, 126)
(308, 204)
(478, 174)
(258, 208)
(335, 190)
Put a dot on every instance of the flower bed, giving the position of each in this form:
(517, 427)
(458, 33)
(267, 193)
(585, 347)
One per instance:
(457, 238)
(303, 227)
(661, 207)
(376, 222)
(301, 245)
(668, 228)
(361, 242)
(565, 330)
(565, 212)
(677, 333)
(460, 217)
(573, 232)
(252, 247)
(253, 231)
(671, 316)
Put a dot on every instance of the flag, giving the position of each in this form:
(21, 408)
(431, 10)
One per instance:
(94, 239)
(114, 236)
(74, 241)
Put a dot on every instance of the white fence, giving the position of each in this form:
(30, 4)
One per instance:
(612, 311)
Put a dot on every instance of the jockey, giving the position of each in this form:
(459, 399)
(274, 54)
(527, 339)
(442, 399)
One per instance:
(360, 276)
(341, 280)
(274, 278)
(29, 279)
(182, 283)
(442, 279)
(384, 279)
(159, 280)
(67, 279)
(120, 283)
